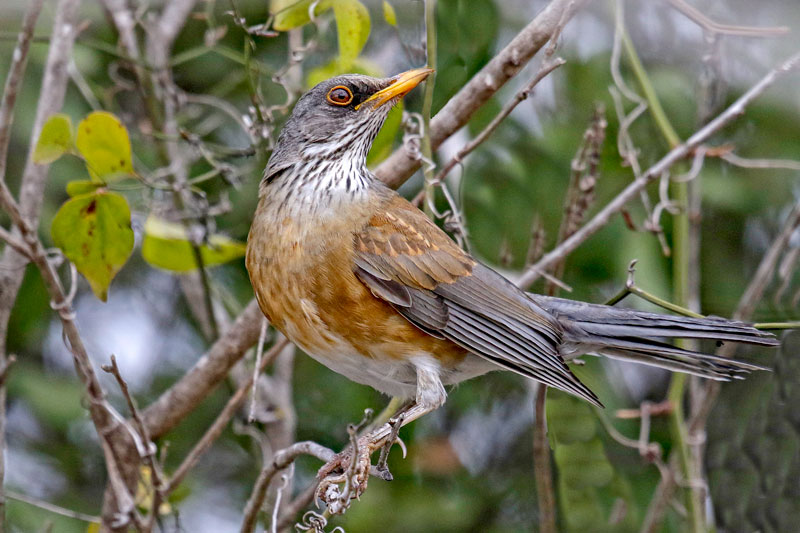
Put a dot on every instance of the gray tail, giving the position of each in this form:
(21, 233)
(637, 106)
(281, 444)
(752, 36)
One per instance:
(643, 337)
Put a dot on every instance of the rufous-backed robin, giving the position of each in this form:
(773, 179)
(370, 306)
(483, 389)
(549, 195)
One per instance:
(365, 283)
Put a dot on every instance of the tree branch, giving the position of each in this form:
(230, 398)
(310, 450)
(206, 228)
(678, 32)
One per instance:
(398, 167)
(280, 461)
(673, 156)
(184, 395)
(234, 402)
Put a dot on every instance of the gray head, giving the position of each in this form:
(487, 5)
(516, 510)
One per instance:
(339, 118)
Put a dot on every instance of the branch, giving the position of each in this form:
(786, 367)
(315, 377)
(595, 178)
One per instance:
(184, 395)
(697, 16)
(281, 460)
(222, 419)
(673, 156)
(546, 68)
(542, 468)
(115, 440)
(505, 65)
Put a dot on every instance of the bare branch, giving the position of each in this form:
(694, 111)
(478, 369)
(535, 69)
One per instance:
(214, 431)
(280, 461)
(547, 67)
(673, 156)
(19, 60)
(697, 16)
(542, 467)
(744, 162)
(184, 395)
(456, 113)
(47, 506)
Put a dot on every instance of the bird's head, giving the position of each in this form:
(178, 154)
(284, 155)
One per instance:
(340, 117)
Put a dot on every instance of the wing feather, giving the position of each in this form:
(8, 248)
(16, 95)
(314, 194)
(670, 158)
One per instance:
(406, 260)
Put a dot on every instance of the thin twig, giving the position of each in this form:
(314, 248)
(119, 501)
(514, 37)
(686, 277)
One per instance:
(426, 149)
(673, 156)
(150, 449)
(47, 506)
(214, 431)
(502, 67)
(542, 468)
(697, 16)
(744, 162)
(744, 311)
(16, 71)
(280, 461)
(546, 68)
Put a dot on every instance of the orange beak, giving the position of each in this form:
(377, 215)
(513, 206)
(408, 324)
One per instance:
(402, 85)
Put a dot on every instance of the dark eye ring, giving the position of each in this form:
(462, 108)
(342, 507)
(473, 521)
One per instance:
(340, 95)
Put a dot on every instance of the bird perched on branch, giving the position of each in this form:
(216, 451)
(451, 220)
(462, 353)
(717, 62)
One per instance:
(365, 283)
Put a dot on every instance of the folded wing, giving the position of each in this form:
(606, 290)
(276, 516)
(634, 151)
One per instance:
(406, 260)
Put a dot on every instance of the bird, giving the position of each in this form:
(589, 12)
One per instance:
(368, 285)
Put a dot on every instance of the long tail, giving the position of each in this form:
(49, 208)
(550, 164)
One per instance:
(643, 337)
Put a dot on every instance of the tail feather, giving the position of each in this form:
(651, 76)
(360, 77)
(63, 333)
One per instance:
(641, 336)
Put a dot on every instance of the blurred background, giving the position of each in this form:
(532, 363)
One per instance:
(470, 464)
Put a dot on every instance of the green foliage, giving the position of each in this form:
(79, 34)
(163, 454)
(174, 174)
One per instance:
(384, 142)
(94, 232)
(588, 486)
(57, 409)
(55, 139)
(290, 14)
(167, 246)
(79, 187)
(388, 14)
(103, 142)
(352, 29)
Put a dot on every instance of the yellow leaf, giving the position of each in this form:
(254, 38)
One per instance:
(94, 232)
(55, 139)
(103, 142)
(290, 14)
(79, 187)
(388, 13)
(167, 246)
(352, 28)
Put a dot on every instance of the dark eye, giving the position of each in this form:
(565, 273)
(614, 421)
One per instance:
(340, 95)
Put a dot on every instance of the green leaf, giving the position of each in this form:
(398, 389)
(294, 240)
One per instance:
(388, 13)
(79, 187)
(103, 142)
(167, 246)
(290, 14)
(55, 139)
(384, 141)
(94, 232)
(352, 27)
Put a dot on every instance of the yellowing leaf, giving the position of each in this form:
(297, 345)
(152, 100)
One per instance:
(166, 246)
(55, 139)
(94, 232)
(93, 527)
(103, 142)
(79, 187)
(388, 13)
(352, 27)
(290, 14)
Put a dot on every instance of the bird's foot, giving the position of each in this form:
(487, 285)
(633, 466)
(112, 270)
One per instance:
(345, 477)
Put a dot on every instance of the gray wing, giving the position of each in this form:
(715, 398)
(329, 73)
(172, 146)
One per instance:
(406, 260)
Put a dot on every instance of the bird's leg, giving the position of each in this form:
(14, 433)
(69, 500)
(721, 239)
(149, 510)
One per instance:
(381, 468)
(355, 464)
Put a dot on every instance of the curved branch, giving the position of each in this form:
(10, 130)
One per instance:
(398, 167)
